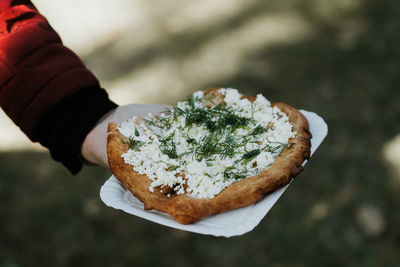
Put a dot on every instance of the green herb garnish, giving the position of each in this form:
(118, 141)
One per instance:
(257, 131)
(249, 156)
(133, 144)
(279, 148)
(173, 168)
(168, 146)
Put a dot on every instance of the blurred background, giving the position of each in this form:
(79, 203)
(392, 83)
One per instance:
(338, 58)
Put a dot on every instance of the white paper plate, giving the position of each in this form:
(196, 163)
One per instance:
(231, 223)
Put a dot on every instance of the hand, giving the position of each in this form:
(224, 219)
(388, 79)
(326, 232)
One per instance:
(94, 147)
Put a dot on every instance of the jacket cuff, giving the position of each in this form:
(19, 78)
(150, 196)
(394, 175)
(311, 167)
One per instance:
(64, 127)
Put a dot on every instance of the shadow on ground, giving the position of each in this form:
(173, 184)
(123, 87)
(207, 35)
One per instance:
(342, 211)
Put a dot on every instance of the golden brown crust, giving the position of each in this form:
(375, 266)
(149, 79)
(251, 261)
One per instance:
(188, 210)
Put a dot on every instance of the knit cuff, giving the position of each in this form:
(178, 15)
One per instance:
(64, 127)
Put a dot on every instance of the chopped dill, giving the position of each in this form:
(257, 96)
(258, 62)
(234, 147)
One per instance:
(173, 168)
(176, 112)
(168, 146)
(257, 131)
(231, 172)
(196, 116)
(191, 141)
(229, 146)
(233, 121)
(217, 118)
(278, 149)
(191, 101)
(208, 148)
(150, 122)
(133, 144)
(251, 154)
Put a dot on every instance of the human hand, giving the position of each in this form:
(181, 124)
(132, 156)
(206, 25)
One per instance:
(94, 147)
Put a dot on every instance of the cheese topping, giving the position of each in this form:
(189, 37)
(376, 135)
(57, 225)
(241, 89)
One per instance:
(199, 150)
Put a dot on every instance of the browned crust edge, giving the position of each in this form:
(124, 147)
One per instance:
(188, 210)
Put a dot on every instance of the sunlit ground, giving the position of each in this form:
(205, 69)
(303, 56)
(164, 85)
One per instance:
(336, 58)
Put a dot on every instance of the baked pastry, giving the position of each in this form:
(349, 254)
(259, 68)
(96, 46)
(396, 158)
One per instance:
(216, 151)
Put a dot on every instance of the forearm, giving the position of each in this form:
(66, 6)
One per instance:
(44, 87)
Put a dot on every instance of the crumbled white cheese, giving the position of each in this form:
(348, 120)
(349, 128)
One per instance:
(172, 156)
(232, 97)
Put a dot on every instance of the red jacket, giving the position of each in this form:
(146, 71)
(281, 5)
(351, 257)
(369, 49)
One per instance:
(43, 82)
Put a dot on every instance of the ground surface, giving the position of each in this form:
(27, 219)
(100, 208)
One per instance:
(337, 58)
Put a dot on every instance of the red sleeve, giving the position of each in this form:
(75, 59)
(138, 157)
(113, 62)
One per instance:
(36, 70)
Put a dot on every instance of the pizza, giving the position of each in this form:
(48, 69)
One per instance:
(215, 151)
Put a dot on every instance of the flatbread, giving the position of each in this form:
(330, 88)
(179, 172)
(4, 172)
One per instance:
(185, 209)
